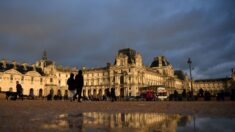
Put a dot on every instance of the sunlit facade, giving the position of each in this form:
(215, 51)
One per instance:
(128, 74)
(215, 85)
(38, 78)
(140, 122)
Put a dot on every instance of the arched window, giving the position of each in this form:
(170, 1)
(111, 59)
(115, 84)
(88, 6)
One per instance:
(52, 92)
(31, 92)
(11, 78)
(89, 92)
(94, 92)
(40, 93)
(59, 92)
(100, 92)
(66, 93)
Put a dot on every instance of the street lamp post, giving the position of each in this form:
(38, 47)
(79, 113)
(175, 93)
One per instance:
(190, 71)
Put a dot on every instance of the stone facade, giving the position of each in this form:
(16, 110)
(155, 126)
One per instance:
(128, 74)
(215, 85)
(39, 78)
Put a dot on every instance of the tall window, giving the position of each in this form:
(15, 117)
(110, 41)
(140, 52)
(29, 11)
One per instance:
(51, 80)
(122, 79)
(40, 80)
(22, 79)
(32, 79)
(11, 78)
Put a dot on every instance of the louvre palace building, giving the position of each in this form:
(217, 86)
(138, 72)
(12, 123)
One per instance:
(128, 75)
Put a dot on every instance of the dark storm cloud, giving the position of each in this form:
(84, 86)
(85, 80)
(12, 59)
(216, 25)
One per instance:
(89, 33)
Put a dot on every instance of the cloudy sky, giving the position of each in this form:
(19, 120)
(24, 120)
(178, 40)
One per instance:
(90, 32)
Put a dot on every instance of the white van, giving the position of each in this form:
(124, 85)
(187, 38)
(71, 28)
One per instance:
(161, 93)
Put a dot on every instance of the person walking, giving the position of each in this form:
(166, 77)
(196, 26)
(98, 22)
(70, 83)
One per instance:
(19, 90)
(113, 95)
(71, 87)
(79, 82)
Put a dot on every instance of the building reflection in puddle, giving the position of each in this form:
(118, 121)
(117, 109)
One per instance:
(137, 122)
(91, 121)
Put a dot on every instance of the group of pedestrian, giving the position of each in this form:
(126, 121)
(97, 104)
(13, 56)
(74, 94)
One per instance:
(75, 85)
(110, 95)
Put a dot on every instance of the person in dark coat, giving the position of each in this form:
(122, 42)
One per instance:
(71, 87)
(19, 90)
(79, 82)
(176, 95)
(113, 95)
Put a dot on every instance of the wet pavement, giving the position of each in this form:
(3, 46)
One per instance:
(106, 116)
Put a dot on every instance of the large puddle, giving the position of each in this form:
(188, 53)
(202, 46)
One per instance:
(139, 122)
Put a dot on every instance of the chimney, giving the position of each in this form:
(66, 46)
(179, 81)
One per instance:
(84, 68)
(14, 63)
(34, 67)
(4, 63)
(160, 61)
(25, 66)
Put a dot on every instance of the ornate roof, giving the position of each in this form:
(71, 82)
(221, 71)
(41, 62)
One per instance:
(22, 69)
(159, 61)
(130, 53)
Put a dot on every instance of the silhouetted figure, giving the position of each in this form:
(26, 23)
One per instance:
(71, 87)
(50, 95)
(19, 90)
(201, 92)
(220, 95)
(79, 85)
(66, 97)
(107, 94)
(58, 96)
(176, 95)
(190, 96)
(184, 93)
(11, 95)
(113, 95)
(207, 96)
